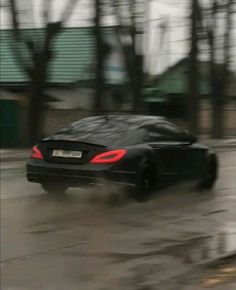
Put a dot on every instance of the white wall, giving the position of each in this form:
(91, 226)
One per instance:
(175, 47)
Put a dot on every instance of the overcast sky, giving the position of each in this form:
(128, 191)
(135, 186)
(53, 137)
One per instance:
(163, 48)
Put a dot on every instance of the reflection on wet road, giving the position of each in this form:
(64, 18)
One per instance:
(91, 239)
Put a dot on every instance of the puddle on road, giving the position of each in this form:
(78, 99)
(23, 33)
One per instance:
(11, 173)
(229, 236)
(193, 251)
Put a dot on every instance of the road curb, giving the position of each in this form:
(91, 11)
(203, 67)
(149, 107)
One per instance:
(14, 155)
(217, 147)
(220, 144)
(220, 259)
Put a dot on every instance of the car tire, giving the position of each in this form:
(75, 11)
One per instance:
(212, 173)
(145, 182)
(52, 188)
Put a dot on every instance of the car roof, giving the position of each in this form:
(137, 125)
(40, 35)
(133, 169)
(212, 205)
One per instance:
(132, 121)
(108, 130)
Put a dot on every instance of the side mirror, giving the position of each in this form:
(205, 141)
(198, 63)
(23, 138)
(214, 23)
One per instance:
(193, 139)
(189, 137)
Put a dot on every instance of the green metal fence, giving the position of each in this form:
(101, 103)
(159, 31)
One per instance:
(9, 123)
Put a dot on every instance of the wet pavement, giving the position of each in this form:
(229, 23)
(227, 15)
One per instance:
(99, 239)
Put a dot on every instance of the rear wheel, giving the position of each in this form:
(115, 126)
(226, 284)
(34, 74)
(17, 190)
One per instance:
(52, 188)
(212, 173)
(145, 182)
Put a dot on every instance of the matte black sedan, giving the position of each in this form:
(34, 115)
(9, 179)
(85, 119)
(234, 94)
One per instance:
(135, 151)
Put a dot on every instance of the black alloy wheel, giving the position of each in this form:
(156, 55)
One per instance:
(212, 173)
(145, 183)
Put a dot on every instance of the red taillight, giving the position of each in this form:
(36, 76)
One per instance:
(109, 157)
(36, 154)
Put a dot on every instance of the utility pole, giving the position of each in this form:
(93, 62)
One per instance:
(99, 86)
(164, 52)
(227, 58)
(146, 44)
(193, 96)
(168, 43)
(219, 77)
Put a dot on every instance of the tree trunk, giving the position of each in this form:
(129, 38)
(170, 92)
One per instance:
(193, 98)
(35, 109)
(99, 87)
(219, 76)
(137, 84)
(217, 99)
(217, 120)
(133, 59)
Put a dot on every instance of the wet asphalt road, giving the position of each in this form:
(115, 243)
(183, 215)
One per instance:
(96, 239)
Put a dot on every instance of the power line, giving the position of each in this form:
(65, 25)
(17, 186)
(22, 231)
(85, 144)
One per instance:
(168, 2)
(177, 18)
(180, 40)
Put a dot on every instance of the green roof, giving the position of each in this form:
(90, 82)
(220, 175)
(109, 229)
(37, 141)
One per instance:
(175, 79)
(73, 58)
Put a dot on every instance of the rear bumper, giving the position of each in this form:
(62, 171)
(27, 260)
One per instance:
(73, 175)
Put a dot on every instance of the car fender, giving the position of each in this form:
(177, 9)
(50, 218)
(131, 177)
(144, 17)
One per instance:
(136, 157)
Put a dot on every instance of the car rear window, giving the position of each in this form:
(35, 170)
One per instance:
(102, 132)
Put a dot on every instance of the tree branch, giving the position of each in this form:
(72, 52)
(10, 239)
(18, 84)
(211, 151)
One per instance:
(18, 39)
(15, 20)
(46, 11)
(227, 38)
(68, 10)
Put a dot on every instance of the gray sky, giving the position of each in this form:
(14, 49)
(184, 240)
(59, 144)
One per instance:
(162, 48)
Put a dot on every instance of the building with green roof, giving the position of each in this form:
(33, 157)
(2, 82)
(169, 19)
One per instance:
(169, 91)
(174, 81)
(73, 56)
(71, 75)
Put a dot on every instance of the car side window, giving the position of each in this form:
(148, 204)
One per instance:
(178, 132)
(173, 131)
(168, 131)
(155, 132)
(164, 131)
(152, 133)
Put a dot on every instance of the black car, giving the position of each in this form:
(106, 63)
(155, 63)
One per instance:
(134, 151)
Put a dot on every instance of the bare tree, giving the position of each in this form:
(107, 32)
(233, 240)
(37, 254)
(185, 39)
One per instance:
(102, 50)
(219, 71)
(130, 31)
(35, 61)
(99, 59)
(193, 96)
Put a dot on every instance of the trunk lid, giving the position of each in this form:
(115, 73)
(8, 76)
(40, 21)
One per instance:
(88, 150)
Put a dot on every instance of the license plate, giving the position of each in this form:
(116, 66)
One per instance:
(67, 153)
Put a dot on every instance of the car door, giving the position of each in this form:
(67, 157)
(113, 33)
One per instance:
(192, 155)
(164, 140)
